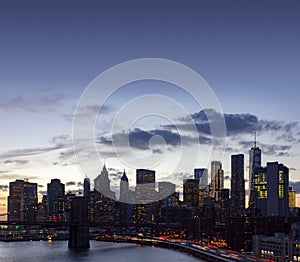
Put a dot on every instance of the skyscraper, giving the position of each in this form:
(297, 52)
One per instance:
(292, 198)
(86, 187)
(217, 179)
(125, 206)
(102, 182)
(254, 163)
(22, 201)
(237, 183)
(144, 194)
(271, 189)
(191, 192)
(56, 200)
(124, 188)
(145, 185)
(201, 174)
(104, 198)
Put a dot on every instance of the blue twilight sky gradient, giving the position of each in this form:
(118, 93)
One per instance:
(248, 52)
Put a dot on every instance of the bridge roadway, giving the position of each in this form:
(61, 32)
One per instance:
(91, 224)
(202, 251)
(212, 254)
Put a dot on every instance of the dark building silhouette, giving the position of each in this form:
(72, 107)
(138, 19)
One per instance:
(103, 198)
(124, 188)
(56, 200)
(217, 179)
(191, 192)
(271, 185)
(145, 194)
(42, 210)
(145, 186)
(68, 199)
(254, 163)
(237, 183)
(201, 174)
(125, 206)
(86, 187)
(22, 201)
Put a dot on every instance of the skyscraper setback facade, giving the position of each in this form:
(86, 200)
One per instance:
(237, 183)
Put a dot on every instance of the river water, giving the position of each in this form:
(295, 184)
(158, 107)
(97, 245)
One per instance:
(43, 251)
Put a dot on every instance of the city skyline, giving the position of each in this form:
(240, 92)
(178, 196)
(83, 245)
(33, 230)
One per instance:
(247, 52)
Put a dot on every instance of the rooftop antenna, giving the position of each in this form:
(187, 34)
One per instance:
(255, 138)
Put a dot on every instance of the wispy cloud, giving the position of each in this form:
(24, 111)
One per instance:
(88, 111)
(32, 104)
(11, 176)
(16, 162)
(269, 149)
(60, 142)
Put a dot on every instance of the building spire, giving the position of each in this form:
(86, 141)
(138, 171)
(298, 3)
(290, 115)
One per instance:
(124, 177)
(255, 138)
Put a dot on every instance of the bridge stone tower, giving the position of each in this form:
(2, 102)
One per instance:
(79, 232)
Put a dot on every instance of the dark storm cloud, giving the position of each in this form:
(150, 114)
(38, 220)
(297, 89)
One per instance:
(239, 124)
(236, 126)
(157, 151)
(71, 183)
(140, 139)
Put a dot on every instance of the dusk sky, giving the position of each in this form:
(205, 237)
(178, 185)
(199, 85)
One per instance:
(247, 51)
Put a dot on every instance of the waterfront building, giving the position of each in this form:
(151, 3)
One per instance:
(22, 201)
(56, 200)
(103, 198)
(280, 247)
